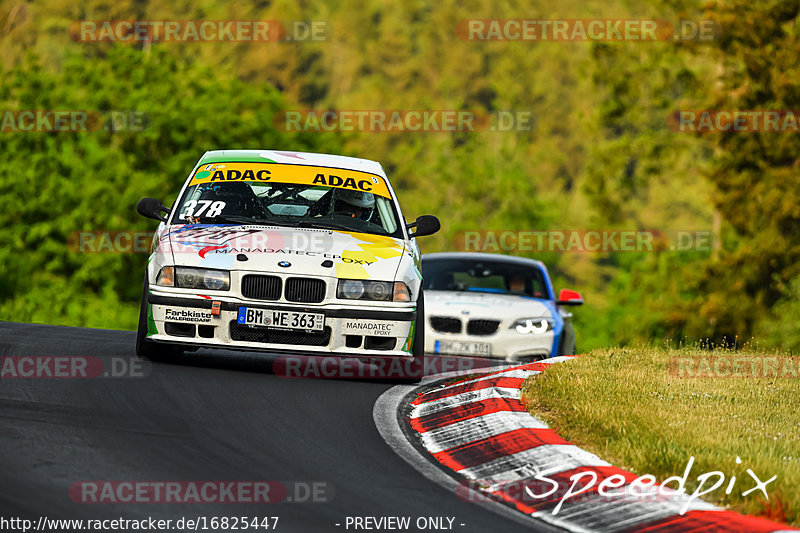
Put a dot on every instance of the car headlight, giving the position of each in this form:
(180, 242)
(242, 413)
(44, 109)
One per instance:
(535, 326)
(166, 277)
(194, 278)
(382, 291)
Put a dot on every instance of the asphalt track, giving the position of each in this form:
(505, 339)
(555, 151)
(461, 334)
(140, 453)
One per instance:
(220, 417)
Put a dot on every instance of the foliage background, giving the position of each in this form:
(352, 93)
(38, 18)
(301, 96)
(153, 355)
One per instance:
(599, 155)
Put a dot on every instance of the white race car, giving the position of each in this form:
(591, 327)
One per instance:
(498, 306)
(287, 252)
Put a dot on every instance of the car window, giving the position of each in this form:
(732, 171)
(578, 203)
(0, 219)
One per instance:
(287, 203)
(483, 276)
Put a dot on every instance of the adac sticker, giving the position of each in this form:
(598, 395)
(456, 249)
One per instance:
(354, 180)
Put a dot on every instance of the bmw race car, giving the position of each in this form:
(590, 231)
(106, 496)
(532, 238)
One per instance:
(498, 306)
(287, 252)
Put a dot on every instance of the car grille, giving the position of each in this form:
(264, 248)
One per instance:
(482, 327)
(261, 287)
(305, 290)
(446, 324)
(240, 332)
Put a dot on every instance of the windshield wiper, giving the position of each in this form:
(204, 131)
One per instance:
(235, 219)
(231, 219)
(324, 225)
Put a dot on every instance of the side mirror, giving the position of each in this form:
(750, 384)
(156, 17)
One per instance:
(569, 297)
(425, 225)
(152, 208)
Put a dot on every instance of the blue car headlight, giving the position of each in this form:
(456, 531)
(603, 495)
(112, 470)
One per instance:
(533, 326)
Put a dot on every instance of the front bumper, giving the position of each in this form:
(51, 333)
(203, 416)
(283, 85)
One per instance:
(364, 331)
(505, 344)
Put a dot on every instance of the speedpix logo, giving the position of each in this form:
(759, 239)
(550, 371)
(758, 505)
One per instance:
(552, 488)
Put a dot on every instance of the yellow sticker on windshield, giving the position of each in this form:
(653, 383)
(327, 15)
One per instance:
(353, 180)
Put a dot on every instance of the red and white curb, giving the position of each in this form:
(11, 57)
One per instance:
(479, 432)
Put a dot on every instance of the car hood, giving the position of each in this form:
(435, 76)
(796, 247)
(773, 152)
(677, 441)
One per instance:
(279, 249)
(484, 305)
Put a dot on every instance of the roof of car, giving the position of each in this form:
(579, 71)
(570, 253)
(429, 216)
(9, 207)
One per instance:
(478, 256)
(294, 158)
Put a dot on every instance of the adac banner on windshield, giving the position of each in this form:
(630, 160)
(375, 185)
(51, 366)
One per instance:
(354, 180)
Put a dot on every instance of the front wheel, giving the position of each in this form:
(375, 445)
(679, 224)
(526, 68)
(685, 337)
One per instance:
(417, 364)
(145, 348)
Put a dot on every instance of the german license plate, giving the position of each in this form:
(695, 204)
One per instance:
(463, 348)
(280, 319)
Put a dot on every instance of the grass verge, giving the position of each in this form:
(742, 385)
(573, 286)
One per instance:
(648, 410)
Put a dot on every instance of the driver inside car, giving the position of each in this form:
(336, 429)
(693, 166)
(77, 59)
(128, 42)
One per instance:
(355, 204)
(516, 284)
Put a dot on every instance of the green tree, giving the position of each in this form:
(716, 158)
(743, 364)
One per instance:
(55, 184)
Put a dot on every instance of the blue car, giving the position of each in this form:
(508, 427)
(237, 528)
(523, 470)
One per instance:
(495, 306)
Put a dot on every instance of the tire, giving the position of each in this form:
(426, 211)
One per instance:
(563, 349)
(417, 365)
(560, 346)
(145, 348)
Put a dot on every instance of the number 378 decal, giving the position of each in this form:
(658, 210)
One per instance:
(207, 208)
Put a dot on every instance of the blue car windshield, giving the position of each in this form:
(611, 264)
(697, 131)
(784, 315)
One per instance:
(497, 277)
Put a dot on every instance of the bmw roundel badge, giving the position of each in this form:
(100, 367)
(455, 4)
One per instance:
(284, 264)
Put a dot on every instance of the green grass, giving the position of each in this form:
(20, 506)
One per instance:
(623, 405)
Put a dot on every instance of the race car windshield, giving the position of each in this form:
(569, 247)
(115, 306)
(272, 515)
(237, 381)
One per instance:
(482, 276)
(288, 204)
